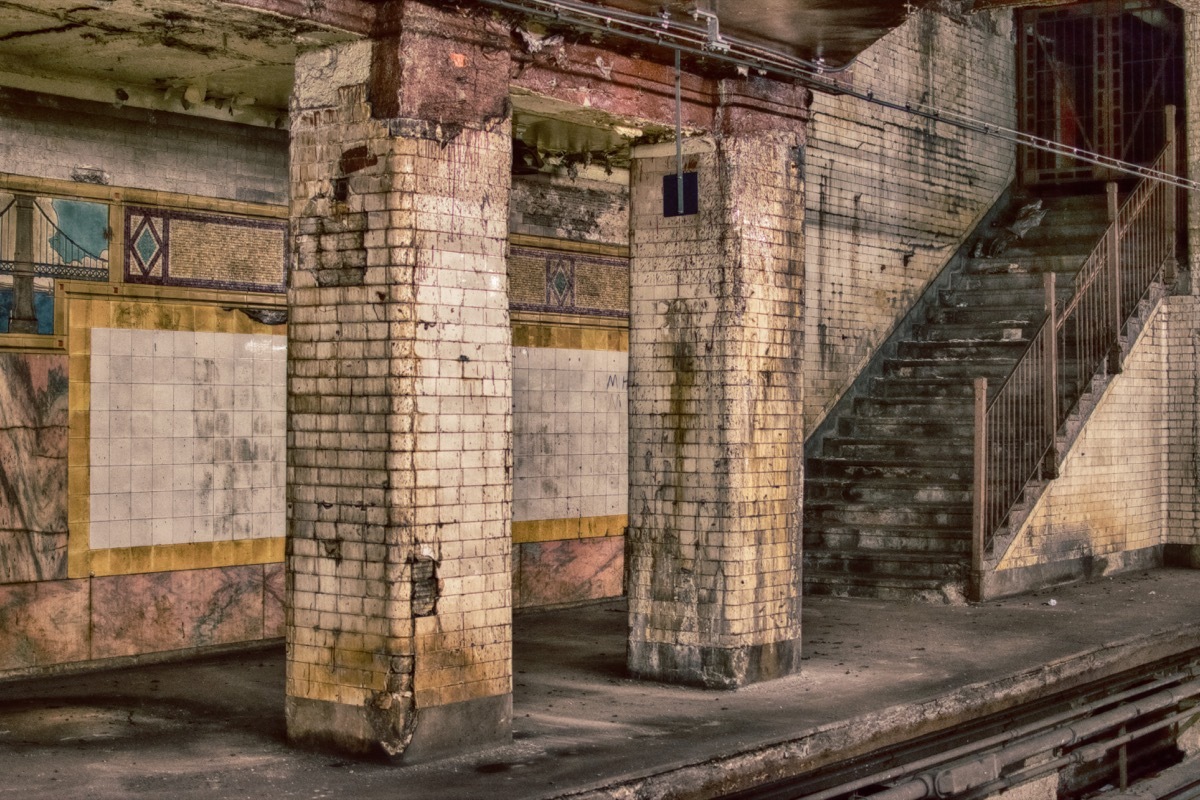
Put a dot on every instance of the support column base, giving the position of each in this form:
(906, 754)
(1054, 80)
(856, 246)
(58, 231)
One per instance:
(713, 667)
(439, 732)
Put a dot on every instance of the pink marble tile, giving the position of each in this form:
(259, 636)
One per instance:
(515, 564)
(43, 623)
(273, 600)
(571, 571)
(163, 611)
(33, 467)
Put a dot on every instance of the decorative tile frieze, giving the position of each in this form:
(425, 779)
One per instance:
(214, 251)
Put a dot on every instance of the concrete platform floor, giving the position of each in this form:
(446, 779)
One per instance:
(874, 673)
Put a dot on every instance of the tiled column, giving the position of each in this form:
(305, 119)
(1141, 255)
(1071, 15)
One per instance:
(715, 432)
(399, 391)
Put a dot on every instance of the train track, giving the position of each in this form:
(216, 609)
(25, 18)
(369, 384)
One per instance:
(1101, 735)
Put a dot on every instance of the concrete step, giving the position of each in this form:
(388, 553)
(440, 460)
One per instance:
(854, 469)
(908, 447)
(1020, 300)
(962, 350)
(884, 490)
(885, 537)
(1010, 280)
(894, 427)
(934, 516)
(832, 584)
(916, 408)
(886, 564)
(974, 331)
(1024, 260)
(955, 315)
(947, 368)
(921, 387)
(1069, 231)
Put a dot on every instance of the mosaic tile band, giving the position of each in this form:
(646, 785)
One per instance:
(213, 251)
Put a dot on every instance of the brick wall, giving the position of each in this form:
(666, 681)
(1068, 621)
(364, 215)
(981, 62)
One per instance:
(1181, 363)
(890, 196)
(57, 137)
(1129, 482)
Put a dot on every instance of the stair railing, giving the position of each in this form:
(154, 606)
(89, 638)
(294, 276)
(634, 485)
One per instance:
(1015, 432)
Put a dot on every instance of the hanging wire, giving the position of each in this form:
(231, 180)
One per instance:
(678, 136)
(684, 37)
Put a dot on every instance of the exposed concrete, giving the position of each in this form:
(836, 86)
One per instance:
(1042, 789)
(1002, 583)
(875, 673)
(321, 73)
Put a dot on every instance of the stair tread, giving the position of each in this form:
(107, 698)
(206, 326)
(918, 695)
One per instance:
(916, 531)
(887, 554)
(882, 581)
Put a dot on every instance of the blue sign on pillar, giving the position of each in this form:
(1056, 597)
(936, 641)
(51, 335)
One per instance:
(691, 195)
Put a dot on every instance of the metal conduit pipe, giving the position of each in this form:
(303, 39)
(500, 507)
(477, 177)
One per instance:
(986, 769)
(1083, 754)
(1000, 738)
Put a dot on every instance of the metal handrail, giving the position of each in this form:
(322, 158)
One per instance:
(1016, 430)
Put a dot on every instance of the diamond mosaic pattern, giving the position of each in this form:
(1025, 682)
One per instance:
(146, 249)
(560, 282)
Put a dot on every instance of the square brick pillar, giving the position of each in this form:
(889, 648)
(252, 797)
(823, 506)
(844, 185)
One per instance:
(716, 439)
(399, 391)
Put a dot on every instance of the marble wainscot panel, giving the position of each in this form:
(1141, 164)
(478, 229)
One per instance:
(33, 467)
(43, 623)
(163, 611)
(273, 578)
(570, 570)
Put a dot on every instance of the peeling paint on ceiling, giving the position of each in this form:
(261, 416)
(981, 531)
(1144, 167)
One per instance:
(201, 56)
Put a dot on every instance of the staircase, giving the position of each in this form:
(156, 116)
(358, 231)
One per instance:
(888, 496)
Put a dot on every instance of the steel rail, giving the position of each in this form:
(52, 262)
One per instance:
(984, 770)
(1026, 719)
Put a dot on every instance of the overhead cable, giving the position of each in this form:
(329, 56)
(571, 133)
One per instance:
(705, 41)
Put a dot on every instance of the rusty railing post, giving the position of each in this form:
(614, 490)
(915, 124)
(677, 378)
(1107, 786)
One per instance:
(23, 317)
(1170, 265)
(1050, 377)
(979, 495)
(1114, 278)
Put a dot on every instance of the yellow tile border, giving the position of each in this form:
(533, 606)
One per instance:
(174, 557)
(170, 294)
(33, 343)
(51, 187)
(89, 306)
(550, 331)
(554, 530)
